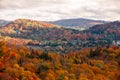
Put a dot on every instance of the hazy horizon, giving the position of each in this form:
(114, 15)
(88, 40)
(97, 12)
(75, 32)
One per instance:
(51, 10)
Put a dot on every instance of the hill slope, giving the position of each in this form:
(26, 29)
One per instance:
(24, 25)
(109, 30)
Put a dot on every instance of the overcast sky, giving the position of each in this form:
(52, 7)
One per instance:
(49, 10)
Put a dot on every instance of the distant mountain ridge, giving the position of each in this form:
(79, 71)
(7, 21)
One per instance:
(78, 22)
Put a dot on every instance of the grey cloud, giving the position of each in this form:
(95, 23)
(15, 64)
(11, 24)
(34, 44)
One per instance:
(8, 4)
(59, 9)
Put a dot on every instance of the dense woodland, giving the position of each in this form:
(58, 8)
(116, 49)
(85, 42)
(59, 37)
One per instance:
(97, 63)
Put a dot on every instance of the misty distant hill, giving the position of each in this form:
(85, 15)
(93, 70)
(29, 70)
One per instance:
(78, 23)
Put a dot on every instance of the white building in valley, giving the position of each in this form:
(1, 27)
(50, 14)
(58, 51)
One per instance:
(117, 43)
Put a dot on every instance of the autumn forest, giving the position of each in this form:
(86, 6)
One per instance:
(99, 63)
(34, 50)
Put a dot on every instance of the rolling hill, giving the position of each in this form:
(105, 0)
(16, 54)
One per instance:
(23, 25)
(109, 30)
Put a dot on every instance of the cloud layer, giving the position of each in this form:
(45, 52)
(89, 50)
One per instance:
(48, 10)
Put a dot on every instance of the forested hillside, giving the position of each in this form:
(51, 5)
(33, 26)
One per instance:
(53, 38)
